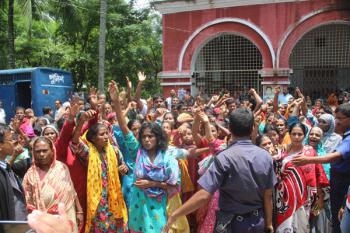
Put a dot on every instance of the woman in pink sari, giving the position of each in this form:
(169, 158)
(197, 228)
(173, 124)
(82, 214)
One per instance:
(47, 183)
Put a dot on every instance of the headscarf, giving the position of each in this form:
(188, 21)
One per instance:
(44, 191)
(329, 119)
(330, 139)
(51, 127)
(116, 202)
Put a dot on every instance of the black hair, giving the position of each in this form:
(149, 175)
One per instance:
(241, 122)
(19, 108)
(162, 141)
(46, 110)
(93, 131)
(175, 118)
(260, 138)
(132, 122)
(269, 128)
(157, 96)
(43, 139)
(327, 109)
(3, 129)
(179, 106)
(344, 109)
(60, 123)
(229, 101)
(298, 125)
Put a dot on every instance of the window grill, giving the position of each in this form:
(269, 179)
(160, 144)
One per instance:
(228, 62)
(6, 79)
(321, 60)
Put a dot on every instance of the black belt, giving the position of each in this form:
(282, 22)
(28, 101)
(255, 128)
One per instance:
(241, 217)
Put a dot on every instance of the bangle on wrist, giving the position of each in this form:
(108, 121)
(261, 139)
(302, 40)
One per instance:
(79, 212)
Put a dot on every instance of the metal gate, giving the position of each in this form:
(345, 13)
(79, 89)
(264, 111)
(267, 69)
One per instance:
(321, 60)
(228, 62)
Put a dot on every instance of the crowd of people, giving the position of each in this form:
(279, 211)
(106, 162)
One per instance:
(220, 163)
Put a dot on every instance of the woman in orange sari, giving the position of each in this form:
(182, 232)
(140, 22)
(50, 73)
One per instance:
(47, 183)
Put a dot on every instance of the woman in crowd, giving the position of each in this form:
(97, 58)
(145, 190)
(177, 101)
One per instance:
(106, 210)
(300, 188)
(47, 183)
(330, 139)
(156, 176)
(321, 219)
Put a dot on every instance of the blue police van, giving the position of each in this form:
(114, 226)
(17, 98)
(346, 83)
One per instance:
(33, 88)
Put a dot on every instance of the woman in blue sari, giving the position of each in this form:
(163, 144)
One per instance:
(156, 175)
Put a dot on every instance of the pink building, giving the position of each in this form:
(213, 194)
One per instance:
(211, 45)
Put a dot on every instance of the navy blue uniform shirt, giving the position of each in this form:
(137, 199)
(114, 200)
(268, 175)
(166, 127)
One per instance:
(241, 173)
(343, 166)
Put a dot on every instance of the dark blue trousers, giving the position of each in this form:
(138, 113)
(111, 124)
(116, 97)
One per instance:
(251, 223)
(339, 188)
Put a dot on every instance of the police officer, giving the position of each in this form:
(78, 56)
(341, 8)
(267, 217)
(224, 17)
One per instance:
(244, 175)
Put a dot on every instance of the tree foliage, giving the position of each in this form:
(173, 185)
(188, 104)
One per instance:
(64, 34)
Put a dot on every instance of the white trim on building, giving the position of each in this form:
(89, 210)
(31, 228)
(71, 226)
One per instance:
(175, 6)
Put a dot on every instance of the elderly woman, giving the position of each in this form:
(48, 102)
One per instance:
(321, 222)
(47, 183)
(330, 139)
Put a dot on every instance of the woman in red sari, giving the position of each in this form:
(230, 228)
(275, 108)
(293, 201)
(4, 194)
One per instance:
(299, 191)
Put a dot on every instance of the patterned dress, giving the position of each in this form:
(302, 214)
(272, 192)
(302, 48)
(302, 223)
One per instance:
(147, 213)
(296, 192)
(104, 220)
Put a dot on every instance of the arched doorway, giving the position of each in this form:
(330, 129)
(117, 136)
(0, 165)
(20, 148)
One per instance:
(227, 62)
(321, 60)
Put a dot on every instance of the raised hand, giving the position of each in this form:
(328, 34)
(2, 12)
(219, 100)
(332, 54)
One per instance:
(277, 89)
(203, 117)
(113, 91)
(215, 98)
(128, 83)
(93, 96)
(88, 115)
(74, 106)
(252, 91)
(141, 76)
(149, 103)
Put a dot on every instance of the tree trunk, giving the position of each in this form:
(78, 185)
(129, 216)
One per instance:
(10, 36)
(102, 45)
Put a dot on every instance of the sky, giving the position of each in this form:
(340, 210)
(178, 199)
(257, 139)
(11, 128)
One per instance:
(142, 4)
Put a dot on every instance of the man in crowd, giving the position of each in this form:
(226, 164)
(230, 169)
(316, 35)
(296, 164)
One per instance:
(12, 201)
(244, 175)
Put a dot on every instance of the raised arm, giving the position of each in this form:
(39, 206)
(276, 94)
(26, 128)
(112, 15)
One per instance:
(142, 78)
(303, 104)
(93, 98)
(197, 138)
(129, 89)
(275, 99)
(114, 94)
(208, 134)
(257, 98)
(63, 140)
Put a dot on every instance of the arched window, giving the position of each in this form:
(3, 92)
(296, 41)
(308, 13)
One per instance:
(227, 62)
(321, 60)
